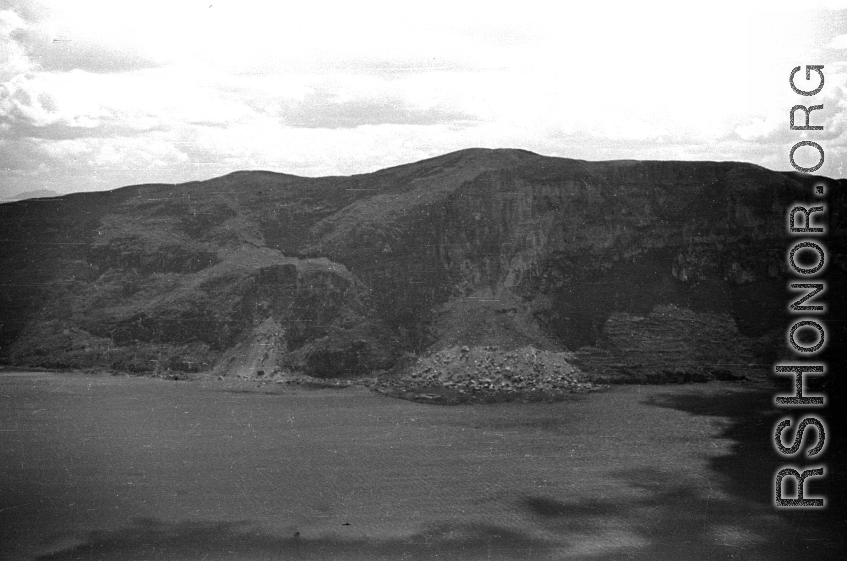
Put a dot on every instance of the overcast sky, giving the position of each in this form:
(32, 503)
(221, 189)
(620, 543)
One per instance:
(97, 95)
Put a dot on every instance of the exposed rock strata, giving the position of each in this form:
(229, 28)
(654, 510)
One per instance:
(637, 267)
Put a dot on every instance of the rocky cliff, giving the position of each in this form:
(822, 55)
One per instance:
(640, 268)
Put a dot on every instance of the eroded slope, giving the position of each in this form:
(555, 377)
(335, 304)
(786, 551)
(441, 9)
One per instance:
(641, 267)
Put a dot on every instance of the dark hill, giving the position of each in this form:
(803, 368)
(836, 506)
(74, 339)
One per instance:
(640, 266)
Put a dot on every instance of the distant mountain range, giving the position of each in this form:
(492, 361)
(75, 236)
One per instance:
(638, 266)
(40, 193)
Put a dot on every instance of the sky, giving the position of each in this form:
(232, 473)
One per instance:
(96, 95)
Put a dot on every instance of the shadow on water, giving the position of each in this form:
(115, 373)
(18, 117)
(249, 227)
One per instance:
(151, 539)
(748, 472)
(730, 517)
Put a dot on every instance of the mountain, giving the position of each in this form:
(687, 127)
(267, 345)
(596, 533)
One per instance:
(640, 267)
(37, 194)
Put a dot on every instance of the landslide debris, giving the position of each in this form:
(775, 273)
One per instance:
(482, 374)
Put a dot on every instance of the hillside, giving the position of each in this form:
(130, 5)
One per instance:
(641, 268)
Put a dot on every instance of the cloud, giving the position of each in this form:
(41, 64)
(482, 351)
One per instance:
(322, 109)
(27, 102)
(126, 153)
(38, 43)
(760, 128)
(839, 42)
(13, 57)
(79, 104)
(67, 52)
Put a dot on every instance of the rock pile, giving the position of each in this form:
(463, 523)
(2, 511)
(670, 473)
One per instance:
(485, 373)
(487, 368)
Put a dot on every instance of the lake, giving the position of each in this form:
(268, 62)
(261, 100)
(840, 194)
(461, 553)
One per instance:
(114, 467)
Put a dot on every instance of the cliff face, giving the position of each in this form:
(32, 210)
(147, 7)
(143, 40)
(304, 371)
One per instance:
(641, 267)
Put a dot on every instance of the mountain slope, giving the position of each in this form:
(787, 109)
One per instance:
(639, 265)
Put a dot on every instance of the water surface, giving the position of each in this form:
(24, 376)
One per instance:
(99, 467)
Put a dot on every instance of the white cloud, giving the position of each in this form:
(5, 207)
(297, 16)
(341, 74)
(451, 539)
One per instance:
(760, 128)
(13, 58)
